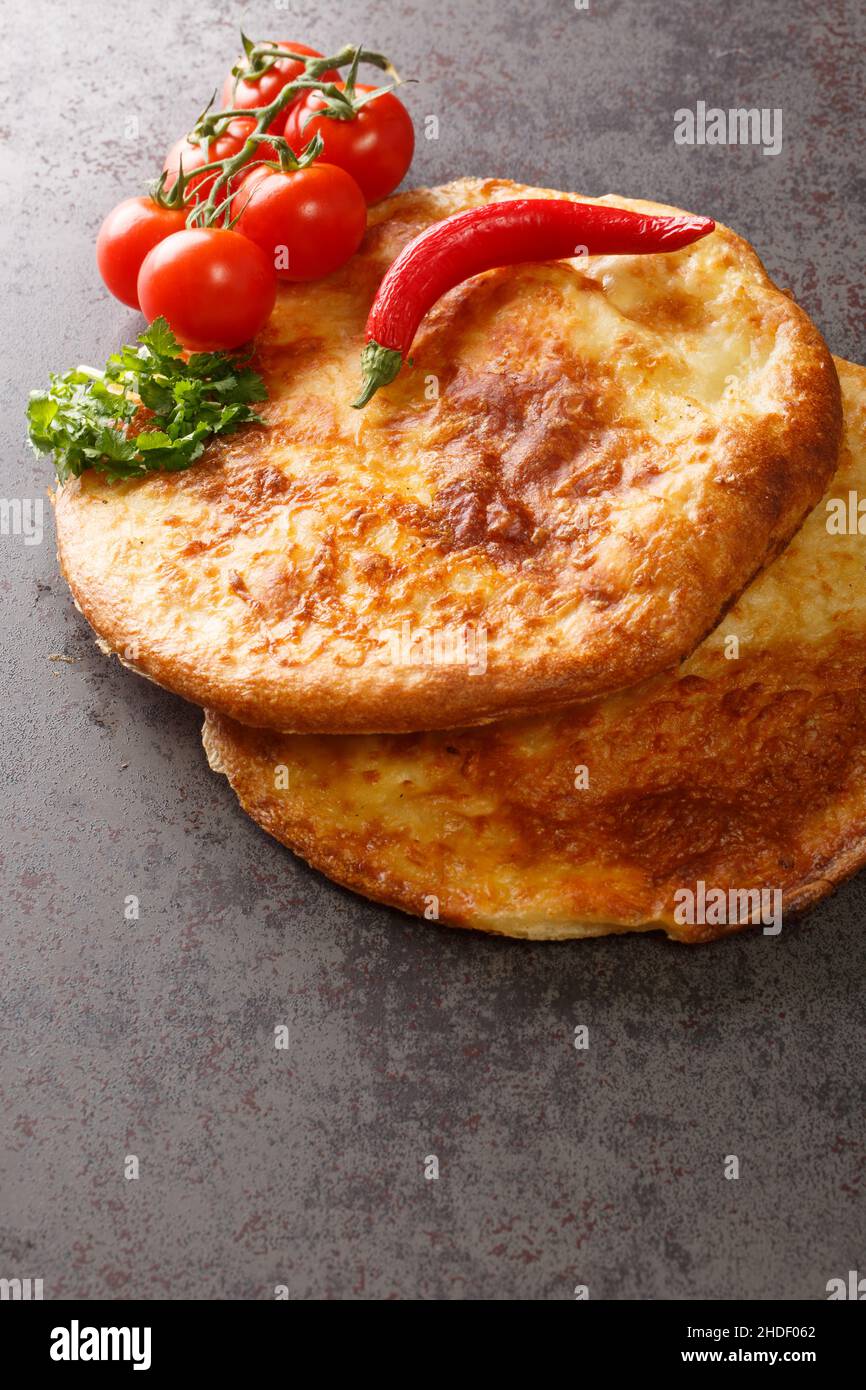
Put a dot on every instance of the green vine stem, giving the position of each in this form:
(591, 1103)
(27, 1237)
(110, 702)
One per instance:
(339, 104)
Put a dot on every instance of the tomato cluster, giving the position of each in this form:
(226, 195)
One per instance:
(216, 284)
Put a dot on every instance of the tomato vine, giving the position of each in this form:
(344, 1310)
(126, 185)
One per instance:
(177, 190)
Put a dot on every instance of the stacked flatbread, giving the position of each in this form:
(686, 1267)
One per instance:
(565, 633)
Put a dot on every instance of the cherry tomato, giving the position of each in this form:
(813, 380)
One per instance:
(215, 287)
(129, 231)
(223, 147)
(308, 222)
(375, 148)
(261, 92)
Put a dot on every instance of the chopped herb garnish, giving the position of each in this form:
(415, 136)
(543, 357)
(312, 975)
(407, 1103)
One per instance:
(86, 417)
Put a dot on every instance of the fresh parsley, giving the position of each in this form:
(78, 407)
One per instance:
(87, 418)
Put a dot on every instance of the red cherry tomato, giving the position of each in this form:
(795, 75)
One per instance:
(215, 287)
(375, 148)
(223, 147)
(129, 231)
(261, 92)
(308, 222)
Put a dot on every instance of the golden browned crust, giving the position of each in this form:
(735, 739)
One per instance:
(587, 463)
(744, 770)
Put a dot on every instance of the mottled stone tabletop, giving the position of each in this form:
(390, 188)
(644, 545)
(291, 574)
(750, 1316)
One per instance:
(154, 1037)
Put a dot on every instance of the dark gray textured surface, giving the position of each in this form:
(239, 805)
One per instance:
(155, 1037)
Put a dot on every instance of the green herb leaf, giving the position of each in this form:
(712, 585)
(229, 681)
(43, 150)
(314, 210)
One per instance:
(86, 418)
(160, 340)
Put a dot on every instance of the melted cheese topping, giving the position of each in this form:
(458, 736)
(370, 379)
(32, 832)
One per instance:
(588, 460)
(745, 770)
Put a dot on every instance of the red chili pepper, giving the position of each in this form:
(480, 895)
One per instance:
(524, 229)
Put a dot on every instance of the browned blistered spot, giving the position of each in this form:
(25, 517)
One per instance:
(676, 311)
(285, 594)
(508, 443)
(237, 584)
(696, 778)
(193, 548)
(377, 569)
(237, 487)
(471, 513)
(242, 493)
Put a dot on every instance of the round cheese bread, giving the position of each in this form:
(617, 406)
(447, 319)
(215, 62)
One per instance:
(731, 791)
(586, 463)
